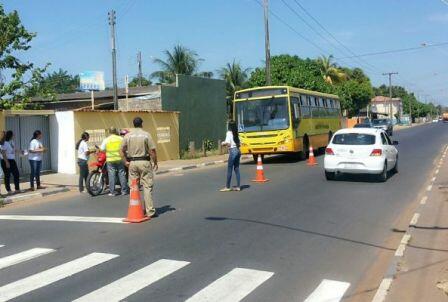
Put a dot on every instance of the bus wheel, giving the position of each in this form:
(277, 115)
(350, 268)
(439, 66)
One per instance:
(305, 150)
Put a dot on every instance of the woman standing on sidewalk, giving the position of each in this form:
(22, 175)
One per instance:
(9, 164)
(35, 151)
(233, 142)
(83, 158)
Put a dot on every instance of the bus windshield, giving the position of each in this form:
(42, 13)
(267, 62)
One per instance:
(262, 115)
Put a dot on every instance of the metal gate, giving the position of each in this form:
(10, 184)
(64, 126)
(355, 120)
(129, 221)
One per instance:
(23, 127)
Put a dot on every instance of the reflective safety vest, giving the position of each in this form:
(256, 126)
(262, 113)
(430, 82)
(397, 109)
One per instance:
(113, 145)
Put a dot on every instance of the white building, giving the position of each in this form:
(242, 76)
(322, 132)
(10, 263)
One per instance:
(381, 106)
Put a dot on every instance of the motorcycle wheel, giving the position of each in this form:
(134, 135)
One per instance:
(96, 183)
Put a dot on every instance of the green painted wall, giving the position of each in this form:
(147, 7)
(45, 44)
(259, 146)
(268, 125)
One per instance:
(202, 106)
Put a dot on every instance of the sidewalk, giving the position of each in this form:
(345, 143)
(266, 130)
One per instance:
(57, 182)
(401, 127)
(422, 269)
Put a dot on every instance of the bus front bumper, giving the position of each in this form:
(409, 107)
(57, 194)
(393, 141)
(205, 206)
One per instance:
(266, 149)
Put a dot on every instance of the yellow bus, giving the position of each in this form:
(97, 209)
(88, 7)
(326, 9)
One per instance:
(283, 119)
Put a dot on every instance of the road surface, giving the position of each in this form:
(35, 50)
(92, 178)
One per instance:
(294, 238)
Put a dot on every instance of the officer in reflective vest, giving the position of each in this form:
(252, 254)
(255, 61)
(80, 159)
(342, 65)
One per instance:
(112, 145)
(139, 151)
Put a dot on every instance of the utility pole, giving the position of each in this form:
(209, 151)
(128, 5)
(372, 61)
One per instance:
(140, 75)
(112, 21)
(267, 46)
(390, 92)
(410, 112)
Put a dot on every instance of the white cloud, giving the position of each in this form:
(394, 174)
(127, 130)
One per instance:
(439, 18)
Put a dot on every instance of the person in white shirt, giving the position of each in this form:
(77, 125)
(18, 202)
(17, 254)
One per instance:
(233, 142)
(35, 152)
(9, 164)
(83, 158)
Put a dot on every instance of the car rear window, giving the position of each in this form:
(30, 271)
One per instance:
(354, 139)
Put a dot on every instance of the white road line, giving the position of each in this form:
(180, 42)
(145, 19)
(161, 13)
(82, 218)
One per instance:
(429, 188)
(232, 287)
(437, 171)
(414, 219)
(132, 283)
(424, 199)
(433, 179)
(1, 245)
(405, 239)
(23, 256)
(400, 250)
(63, 218)
(28, 284)
(381, 293)
(328, 291)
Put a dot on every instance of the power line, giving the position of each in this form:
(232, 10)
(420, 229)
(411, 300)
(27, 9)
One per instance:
(293, 29)
(383, 52)
(329, 33)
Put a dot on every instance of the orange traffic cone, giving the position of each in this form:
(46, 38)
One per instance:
(135, 211)
(311, 159)
(260, 172)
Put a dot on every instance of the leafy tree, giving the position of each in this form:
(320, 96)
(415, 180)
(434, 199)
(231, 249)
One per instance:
(180, 60)
(135, 82)
(330, 72)
(14, 38)
(205, 74)
(235, 76)
(292, 71)
(53, 83)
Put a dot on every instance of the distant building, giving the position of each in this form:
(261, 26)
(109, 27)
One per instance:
(380, 107)
(200, 101)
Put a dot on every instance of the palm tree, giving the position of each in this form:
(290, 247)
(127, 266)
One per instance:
(235, 76)
(331, 73)
(180, 60)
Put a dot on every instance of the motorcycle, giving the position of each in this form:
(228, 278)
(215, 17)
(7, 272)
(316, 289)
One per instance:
(97, 179)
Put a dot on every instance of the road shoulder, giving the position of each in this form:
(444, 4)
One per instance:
(422, 271)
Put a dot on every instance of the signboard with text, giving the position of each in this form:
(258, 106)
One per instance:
(91, 80)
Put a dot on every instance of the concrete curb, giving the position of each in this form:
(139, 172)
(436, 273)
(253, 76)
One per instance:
(32, 195)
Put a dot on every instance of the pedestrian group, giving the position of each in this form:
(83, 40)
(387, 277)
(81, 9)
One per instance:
(132, 154)
(9, 154)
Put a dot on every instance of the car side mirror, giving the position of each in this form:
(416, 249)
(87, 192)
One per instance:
(395, 143)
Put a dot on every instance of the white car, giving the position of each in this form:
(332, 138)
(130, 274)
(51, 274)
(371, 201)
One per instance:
(361, 151)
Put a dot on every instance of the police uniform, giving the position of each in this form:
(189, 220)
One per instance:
(138, 144)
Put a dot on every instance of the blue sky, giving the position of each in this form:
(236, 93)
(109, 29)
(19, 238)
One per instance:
(74, 35)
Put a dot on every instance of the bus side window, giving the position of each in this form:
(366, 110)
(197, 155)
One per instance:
(315, 110)
(305, 106)
(295, 110)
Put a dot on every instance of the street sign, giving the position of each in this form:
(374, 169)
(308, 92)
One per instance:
(91, 80)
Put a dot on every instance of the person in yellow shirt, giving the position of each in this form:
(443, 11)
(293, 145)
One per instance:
(112, 146)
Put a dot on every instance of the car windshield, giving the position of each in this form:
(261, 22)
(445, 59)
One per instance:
(380, 122)
(262, 115)
(354, 139)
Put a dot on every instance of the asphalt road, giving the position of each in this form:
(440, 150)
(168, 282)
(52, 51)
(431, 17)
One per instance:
(288, 235)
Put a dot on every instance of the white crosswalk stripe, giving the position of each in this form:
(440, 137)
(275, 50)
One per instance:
(1, 245)
(23, 256)
(28, 284)
(132, 283)
(232, 287)
(328, 291)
